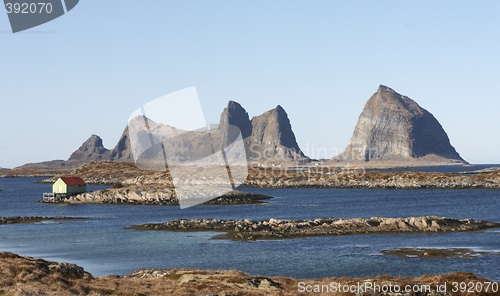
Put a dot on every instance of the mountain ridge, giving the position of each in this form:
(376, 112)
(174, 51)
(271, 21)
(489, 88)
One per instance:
(276, 144)
(392, 130)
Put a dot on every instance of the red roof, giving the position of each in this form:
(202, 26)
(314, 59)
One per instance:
(73, 181)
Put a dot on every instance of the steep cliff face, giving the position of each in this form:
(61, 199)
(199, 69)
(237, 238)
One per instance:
(236, 115)
(393, 127)
(122, 151)
(268, 137)
(91, 150)
(272, 138)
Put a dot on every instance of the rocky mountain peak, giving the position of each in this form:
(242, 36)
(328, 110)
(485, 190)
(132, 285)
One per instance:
(394, 127)
(272, 137)
(92, 149)
(387, 97)
(235, 114)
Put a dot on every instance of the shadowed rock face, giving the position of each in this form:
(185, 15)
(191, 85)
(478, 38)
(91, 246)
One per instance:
(236, 115)
(394, 127)
(122, 150)
(91, 150)
(267, 137)
(272, 137)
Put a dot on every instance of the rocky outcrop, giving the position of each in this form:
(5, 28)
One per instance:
(274, 228)
(393, 127)
(21, 275)
(32, 219)
(62, 269)
(272, 139)
(153, 195)
(237, 116)
(128, 174)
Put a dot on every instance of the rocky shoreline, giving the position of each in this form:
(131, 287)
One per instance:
(320, 176)
(127, 174)
(33, 219)
(22, 275)
(356, 178)
(275, 229)
(151, 195)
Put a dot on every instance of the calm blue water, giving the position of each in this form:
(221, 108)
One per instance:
(102, 246)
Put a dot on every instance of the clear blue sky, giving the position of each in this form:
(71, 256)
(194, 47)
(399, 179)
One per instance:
(85, 72)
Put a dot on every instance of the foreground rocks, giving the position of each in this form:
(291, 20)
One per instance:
(29, 276)
(151, 195)
(274, 228)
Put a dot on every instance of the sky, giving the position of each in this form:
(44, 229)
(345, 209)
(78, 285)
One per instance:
(85, 72)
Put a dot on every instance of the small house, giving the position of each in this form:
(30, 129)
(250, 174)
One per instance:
(69, 186)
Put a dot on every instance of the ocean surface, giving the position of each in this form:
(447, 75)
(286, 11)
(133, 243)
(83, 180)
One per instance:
(102, 245)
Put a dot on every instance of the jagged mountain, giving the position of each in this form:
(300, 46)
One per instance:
(91, 150)
(124, 149)
(272, 137)
(393, 127)
(236, 115)
(267, 137)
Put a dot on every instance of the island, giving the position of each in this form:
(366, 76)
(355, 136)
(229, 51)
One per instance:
(34, 219)
(275, 228)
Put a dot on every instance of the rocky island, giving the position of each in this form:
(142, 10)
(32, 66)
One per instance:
(275, 228)
(33, 219)
(21, 275)
(148, 195)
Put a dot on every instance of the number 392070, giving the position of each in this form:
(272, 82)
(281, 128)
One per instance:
(28, 7)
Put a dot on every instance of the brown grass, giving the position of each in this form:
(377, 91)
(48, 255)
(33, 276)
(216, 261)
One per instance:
(29, 276)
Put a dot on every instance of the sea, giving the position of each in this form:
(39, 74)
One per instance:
(101, 243)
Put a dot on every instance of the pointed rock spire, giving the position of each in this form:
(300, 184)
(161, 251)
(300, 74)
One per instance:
(273, 139)
(394, 127)
(91, 150)
(236, 115)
